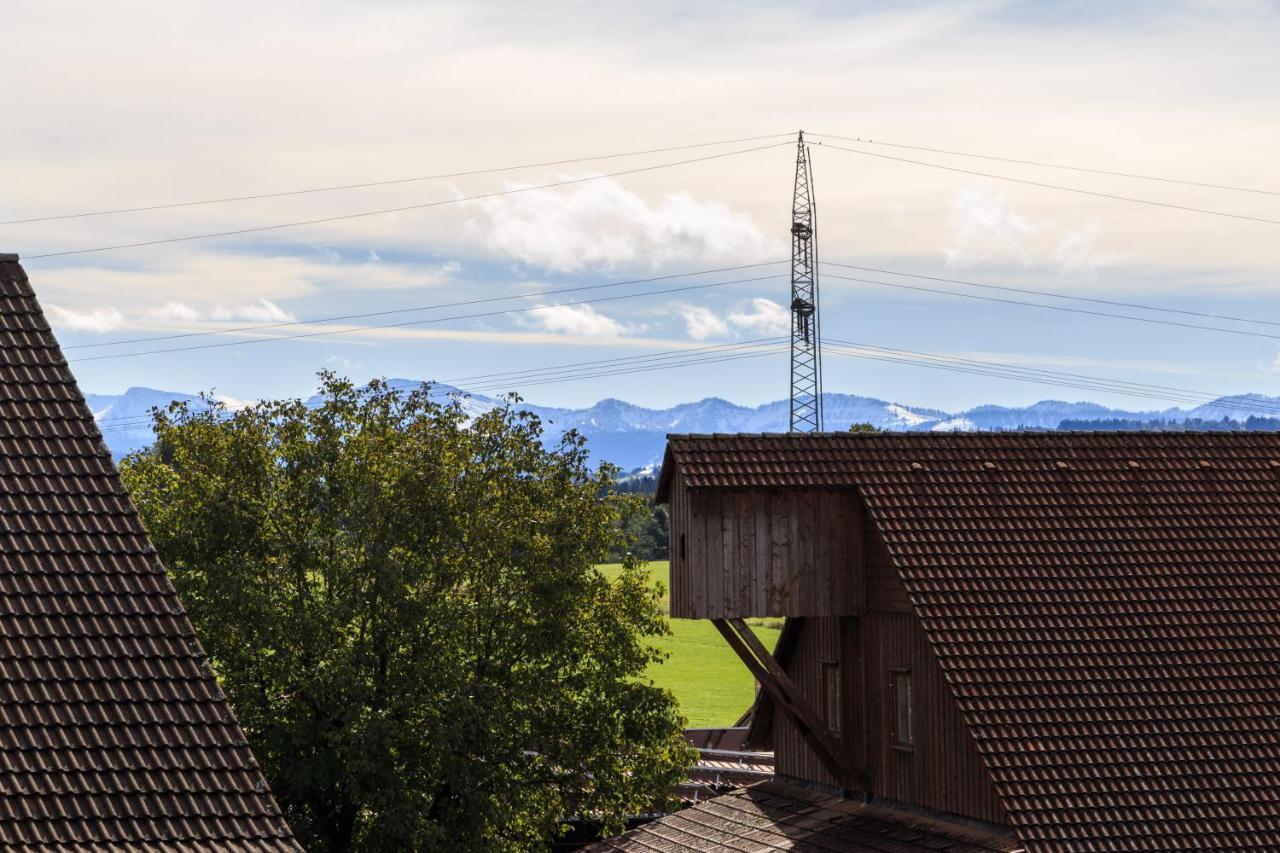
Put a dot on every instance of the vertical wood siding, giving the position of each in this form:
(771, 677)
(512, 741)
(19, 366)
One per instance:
(814, 554)
(766, 552)
(943, 771)
(819, 641)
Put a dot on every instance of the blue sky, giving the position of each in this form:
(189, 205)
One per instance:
(136, 105)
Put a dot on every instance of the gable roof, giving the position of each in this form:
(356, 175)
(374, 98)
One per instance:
(113, 731)
(1105, 607)
(772, 816)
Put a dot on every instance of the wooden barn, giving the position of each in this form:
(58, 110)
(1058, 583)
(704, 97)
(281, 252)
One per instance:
(114, 734)
(1000, 641)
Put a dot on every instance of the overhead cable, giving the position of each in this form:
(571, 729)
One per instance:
(366, 315)
(1054, 295)
(401, 208)
(384, 183)
(1084, 311)
(1113, 196)
(1045, 165)
(362, 329)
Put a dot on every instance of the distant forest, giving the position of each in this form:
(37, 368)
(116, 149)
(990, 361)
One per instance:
(649, 526)
(1252, 424)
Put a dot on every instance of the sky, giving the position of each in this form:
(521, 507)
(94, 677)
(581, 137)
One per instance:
(110, 106)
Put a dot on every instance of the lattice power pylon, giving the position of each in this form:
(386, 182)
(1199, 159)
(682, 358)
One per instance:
(806, 337)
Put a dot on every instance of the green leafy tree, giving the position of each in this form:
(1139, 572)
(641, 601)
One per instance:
(646, 532)
(863, 427)
(400, 603)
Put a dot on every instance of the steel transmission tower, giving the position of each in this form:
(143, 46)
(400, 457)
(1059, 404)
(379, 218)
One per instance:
(806, 338)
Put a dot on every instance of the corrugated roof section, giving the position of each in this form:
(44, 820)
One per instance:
(776, 816)
(113, 731)
(1106, 607)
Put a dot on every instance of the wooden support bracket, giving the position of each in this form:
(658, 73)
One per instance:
(784, 692)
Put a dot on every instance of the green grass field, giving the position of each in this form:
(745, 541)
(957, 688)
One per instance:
(710, 683)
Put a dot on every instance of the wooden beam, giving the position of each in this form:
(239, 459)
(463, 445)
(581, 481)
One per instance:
(787, 696)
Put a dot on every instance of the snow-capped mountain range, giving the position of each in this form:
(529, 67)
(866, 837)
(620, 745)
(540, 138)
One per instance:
(633, 437)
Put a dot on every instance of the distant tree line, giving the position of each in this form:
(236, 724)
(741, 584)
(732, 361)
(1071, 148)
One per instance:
(1250, 424)
(645, 526)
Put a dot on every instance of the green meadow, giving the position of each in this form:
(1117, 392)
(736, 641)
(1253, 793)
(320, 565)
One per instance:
(706, 677)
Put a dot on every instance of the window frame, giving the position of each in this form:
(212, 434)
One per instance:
(898, 676)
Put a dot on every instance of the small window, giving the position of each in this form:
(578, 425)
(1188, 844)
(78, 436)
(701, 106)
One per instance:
(903, 722)
(682, 556)
(831, 696)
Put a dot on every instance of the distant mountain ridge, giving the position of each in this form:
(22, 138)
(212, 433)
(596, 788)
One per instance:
(633, 437)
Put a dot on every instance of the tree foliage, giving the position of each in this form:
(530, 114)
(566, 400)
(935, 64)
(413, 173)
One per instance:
(645, 533)
(401, 605)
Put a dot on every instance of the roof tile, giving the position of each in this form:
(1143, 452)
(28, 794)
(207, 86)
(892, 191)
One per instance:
(113, 732)
(1105, 606)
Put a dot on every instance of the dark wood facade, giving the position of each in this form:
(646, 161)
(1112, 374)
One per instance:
(812, 555)
(1083, 625)
(941, 770)
(762, 552)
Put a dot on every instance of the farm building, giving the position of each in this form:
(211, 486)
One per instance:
(1001, 641)
(113, 731)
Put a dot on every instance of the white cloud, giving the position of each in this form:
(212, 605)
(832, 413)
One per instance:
(377, 274)
(577, 320)
(97, 320)
(986, 227)
(702, 323)
(766, 318)
(603, 224)
(262, 311)
(173, 311)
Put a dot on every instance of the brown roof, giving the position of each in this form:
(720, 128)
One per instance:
(723, 763)
(113, 731)
(774, 816)
(1105, 606)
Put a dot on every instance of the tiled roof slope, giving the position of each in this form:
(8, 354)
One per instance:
(1106, 607)
(113, 731)
(773, 816)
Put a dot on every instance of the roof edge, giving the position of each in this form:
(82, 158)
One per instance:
(662, 494)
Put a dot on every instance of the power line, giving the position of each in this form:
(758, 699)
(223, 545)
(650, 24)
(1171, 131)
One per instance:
(614, 361)
(1030, 292)
(1113, 196)
(383, 211)
(558, 369)
(766, 346)
(361, 329)
(1042, 164)
(1046, 377)
(384, 183)
(1084, 311)
(776, 349)
(541, 293)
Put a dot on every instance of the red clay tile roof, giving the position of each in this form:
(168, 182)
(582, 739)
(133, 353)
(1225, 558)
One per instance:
(1106, 607)
(113, 731)
(774, 816)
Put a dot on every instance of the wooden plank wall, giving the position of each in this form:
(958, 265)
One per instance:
(762, 552)
(943, 771)
(819, 641)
